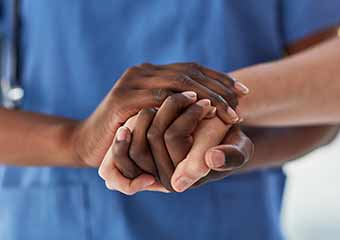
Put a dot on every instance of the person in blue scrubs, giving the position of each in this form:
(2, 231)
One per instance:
(72, 52)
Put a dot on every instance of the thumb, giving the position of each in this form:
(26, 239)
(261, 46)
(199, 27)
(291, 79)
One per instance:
(188, 172)
(235, 151)
(225, 157)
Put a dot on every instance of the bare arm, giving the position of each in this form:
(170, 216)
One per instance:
(34, 139)
(275, 146)
(293, 91)
(311, 103)
(302, 89)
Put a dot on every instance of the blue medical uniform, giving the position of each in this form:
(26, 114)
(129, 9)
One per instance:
(72, 54)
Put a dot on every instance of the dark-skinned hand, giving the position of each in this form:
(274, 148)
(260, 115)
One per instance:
(162, 139)
(147, 86)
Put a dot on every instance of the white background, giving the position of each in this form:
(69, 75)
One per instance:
(312, 199)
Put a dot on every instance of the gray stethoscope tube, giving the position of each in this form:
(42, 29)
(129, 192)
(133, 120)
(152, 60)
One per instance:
(11, 87)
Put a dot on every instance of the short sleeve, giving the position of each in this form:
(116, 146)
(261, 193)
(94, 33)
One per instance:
(304, 17)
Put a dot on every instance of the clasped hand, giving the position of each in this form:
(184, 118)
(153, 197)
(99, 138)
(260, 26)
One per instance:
(175, 146)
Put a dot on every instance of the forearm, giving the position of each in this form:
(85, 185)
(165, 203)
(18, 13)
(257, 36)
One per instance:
(29, 139)
(299, 90)
(276, 146)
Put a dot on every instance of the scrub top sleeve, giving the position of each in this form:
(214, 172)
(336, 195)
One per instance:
(305, 17)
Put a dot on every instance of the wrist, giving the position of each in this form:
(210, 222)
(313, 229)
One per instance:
(263, 97)
(246, 107)
(69, 146)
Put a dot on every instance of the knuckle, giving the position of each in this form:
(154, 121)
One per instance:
(138, 153)
(153, 134)
(175, 99)
(109, 185)
(127, 171)
(103, 173)
(127, 190)
(172, 134)
(145, 157)
(194, 70)
(147, 112)
(172, 98)
(187, 141)
(193, 65)
(142, 160)
(228, 79)
(195, 112)
(147, 68)
(132, 70)
(178, 100)
(218, 99)
(160, 94)
(183, 80)
(146, 65)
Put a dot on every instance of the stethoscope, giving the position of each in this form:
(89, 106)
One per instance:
(11, 86)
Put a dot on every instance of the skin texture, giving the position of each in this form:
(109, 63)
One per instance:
(176, 131)
(294, 139)
(54, 141)
(121, 157)
(238, 152)
(306, 88)
(274, 98)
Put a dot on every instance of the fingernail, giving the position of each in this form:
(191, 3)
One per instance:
(216, 159)
(122, 134)
(232, 114)
(183, 183)
(241, 87)
(204, 102)
(190, 94)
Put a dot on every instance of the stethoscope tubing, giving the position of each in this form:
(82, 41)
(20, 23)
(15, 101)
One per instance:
(11, 84)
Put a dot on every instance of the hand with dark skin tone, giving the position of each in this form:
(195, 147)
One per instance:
(57, 141)
(297, 141)
(177, 115)
(295, 99)
(147, 86)
(145, 151)
(298, 78)
(161, 139)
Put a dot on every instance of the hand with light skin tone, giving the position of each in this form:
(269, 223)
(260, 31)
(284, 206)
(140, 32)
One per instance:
(302, 104)
(302, 113)
(56, 141)
(295, 136)
(179, 111)
(297, 112)
(189, 129)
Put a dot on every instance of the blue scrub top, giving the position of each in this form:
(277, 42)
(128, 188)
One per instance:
(74, 51)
